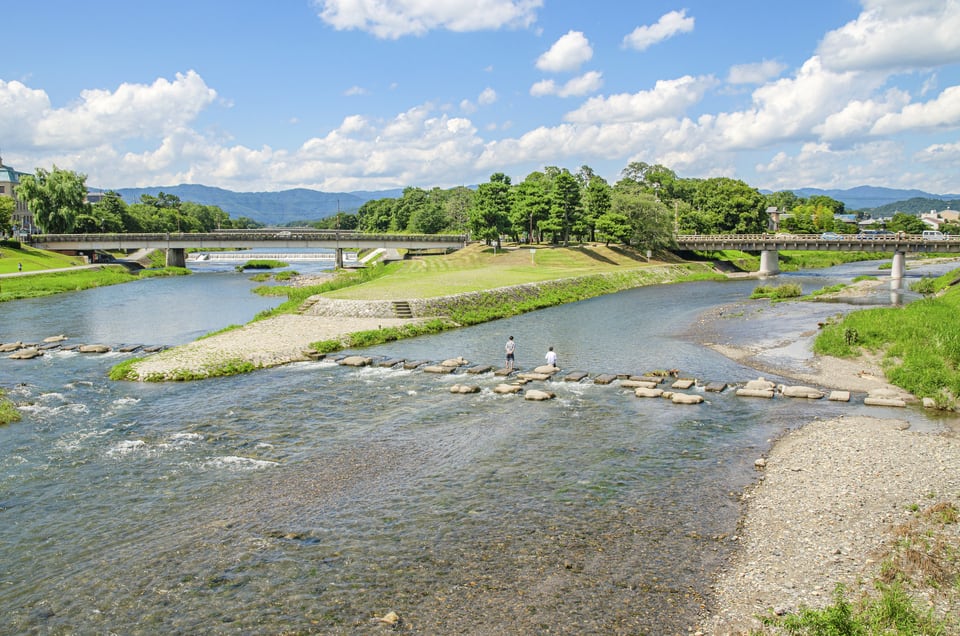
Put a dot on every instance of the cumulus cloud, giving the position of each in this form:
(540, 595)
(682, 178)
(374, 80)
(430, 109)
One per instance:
(132, 111)
(756, 73)
(392, 19)
(944, 111)
(567, 54)
(669, 25)
(589, 82)
(354, 91)
(667, 99)
(896, 34)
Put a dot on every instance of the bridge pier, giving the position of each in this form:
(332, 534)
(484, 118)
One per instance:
(176, 257)
(899, 266)
(338, 258)
(769, 262)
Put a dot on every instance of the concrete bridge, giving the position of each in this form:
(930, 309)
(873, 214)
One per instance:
(769, 245)
(175, 243)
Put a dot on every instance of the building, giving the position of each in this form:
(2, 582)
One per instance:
(22, 217)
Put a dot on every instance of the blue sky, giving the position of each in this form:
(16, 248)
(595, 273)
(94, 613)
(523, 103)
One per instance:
(345, 95)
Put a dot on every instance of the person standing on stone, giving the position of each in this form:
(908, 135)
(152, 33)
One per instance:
(552, 357)
(511, 347)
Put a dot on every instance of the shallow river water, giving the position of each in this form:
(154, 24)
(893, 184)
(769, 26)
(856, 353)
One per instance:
(313, 498)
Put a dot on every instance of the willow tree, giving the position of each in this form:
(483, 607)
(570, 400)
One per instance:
(55, 198)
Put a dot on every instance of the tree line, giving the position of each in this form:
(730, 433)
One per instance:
(643, 209)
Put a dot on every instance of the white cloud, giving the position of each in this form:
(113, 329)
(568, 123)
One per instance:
(757, 73)
(668, 98)
(859, 116)
(944, 111)
(487, 96)
(392, 19)
(567, 54)
(132, 111)
(589, 82)
(669, 25)
(896, 34)
(355, 91)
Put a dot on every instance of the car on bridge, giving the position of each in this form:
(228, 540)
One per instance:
(831, 236)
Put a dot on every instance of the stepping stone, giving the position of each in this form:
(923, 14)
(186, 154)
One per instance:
(154, 348)
(464, 388)
(94, 348)
(760, 393)
(648, 392)
(647, 378)
(538, 395)
(413, 364)
(25, 354)
(839, 396)
(503, 372)
(534, 376)
(505, 389)
(575, 376)
(605, 378)
(636, 384)
(130, 348)
(880, 401)
(684, 383)
(69, 347)
(686, 398)
(50, 346)
(480, 368)
(355, 361)
(390, 362)
(438, 368)
(715, 387)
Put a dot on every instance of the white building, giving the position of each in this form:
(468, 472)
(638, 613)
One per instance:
(22, 217)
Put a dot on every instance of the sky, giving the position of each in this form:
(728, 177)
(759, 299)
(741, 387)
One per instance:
(351, 95)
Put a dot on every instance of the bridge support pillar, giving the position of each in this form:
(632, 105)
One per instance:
(338, 258)
(176, 257)
(769, 262)
(899, 266)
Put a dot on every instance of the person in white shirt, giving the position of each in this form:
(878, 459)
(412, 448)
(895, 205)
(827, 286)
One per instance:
(552, 357)
(510, 348)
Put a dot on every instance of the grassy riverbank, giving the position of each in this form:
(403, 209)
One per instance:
(919, 343)
(8, 410)
(17, 257)
(58, 282)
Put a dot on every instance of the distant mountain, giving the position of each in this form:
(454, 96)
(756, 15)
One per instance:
(301, 204)
(868, 197)
(269, 208)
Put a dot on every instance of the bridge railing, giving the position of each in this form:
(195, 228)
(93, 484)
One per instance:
(251, 235)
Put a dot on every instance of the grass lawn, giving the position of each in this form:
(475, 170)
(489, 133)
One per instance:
(34, 260)
(477, 267)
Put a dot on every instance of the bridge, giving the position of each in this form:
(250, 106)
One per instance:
(176, 243)
(769, 245)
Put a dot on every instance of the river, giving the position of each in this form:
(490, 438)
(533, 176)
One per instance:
(313, 498)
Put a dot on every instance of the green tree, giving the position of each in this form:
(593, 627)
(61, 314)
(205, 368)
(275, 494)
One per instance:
(457, 205)
(430, 217)
(531, 205)
(412, 200)
(7, 206)
(566, 205)
(490, 215)
(596, 202)
(375, 215)
(906, 223)
(614, 226)
(650, 221)
(730, 205)
(56, 198)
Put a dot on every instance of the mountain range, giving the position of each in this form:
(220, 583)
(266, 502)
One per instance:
(301, 204)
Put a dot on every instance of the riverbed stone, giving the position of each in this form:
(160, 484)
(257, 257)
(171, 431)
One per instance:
(10, 346)
(534, 376)
(799, 391)
(438, 368)
(760, 393)
(686, 398)
(356, 361)
(93, 348)
(647, 392)
(464, 388)
(26, 354)
(506, 389)
(59, 338)
(636, 384)
(537, 395)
